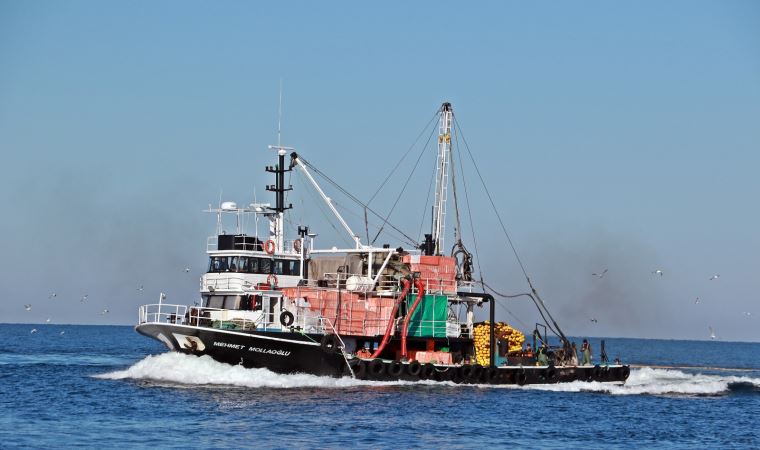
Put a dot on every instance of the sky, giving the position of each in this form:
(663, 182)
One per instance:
(618, 136)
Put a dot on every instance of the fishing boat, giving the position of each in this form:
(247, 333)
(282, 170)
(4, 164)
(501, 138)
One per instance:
(372, 312)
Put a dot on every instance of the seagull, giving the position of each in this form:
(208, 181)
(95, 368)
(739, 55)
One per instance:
(140, 289)
(187, 269)
(84, 298)
(28, 307)
(104, 312)
(162, 296)
(62, 332)
(47, 320)
(600, 275)
(715, 277)
(52, 295)
(34, 330)
(696, 302)
(657, 272)
(712, 334)
(747, 314)
(594, 320)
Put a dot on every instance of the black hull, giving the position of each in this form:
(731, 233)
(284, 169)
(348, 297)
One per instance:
(296, 353)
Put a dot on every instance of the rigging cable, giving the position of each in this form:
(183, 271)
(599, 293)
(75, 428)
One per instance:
(408, 239)
(509, 239)
(427, 125)
(320, 207)
(469, 209)
(403, 188)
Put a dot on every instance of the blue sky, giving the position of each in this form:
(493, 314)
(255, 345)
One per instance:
(613, 135)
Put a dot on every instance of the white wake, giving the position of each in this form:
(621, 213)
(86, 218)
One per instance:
(648, 381)
(177, 368)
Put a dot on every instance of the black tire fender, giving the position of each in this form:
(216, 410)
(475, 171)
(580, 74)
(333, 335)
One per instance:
(521, 377)
(414, 368)
(550, 375)
(360, 368)
(428, 371)
(395, 369)
(492, 375)
(376, 367)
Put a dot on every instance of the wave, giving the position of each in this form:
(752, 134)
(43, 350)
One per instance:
(184, 369)
(181, 369)
(648, 381)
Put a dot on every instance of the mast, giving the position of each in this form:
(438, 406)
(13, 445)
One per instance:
(442, 176)
(277, 228)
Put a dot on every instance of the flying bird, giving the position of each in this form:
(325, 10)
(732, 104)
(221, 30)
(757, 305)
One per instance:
(28, 307)
(187, 269)
(62, 333)
(657, 272)
(83, 299)
(696, 302)
(715, 277)
(712, 333)
(162, 296)
(52, 295)
(47, 320)
(600, 275)
(140, 289)
(747, 314)
(594, 320)
(104, 312)
(34, 330)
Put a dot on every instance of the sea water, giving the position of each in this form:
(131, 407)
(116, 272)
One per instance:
(107, 386)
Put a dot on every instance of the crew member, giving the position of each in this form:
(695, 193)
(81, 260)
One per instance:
(586, 351)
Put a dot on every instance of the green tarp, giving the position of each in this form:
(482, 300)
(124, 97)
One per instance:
(429, 319)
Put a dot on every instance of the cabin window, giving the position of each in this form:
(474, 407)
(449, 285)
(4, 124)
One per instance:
(215, 301)
(287, 267)
(265, 266)
(232, 302)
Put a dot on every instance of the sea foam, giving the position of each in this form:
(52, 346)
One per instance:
(181, 369)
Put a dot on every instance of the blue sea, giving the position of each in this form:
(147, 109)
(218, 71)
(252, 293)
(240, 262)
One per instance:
(107, 386)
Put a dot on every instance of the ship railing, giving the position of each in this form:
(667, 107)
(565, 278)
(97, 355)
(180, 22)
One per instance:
(162, 313)
(204, 317)
(230, 282)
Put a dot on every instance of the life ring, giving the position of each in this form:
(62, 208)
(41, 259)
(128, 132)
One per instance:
(272, 280)
(521, 377)
(329, 343)
(376, 367)
(414, 368)
(297, 245)
(395, 369)
(269, 247)
(428, 371)
(286, 318)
